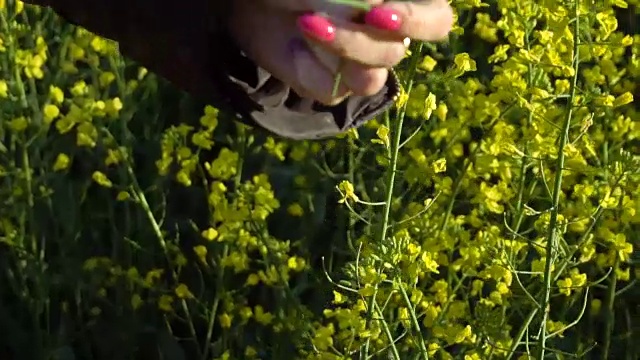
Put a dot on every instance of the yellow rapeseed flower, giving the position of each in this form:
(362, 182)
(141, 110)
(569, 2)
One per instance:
(102, 179)
(62, 162)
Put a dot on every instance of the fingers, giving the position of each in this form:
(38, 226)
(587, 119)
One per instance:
(273, 51)
(316, 74)
(311, 78)
(363, 81)
(360, 79)
(353, 41)
(293, 62)
(429, 20)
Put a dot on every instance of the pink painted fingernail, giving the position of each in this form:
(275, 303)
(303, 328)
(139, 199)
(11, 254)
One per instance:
(317, 27)
(383, 18)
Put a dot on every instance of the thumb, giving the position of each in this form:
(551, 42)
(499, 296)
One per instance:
(313, 78)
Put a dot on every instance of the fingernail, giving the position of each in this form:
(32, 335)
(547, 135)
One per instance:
(317, 27)
(383, 18)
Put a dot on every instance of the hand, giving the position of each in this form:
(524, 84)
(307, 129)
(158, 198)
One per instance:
(306, 51)
(377, 41)
(270, 36)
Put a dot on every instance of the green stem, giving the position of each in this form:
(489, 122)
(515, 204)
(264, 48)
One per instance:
(391, 178)
(387, 331)
(142, 200)
(557, 189)
(610, 314)
(414, 322)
